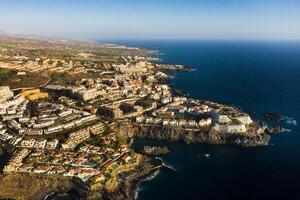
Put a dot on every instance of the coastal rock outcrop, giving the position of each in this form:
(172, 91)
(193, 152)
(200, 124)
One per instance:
(153, 150)
(193, 136)
(128, 182)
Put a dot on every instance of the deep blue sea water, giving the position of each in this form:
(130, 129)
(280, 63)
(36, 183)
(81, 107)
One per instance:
(258, 76)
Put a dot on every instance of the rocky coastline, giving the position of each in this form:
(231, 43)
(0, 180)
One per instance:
(40, 186)
(193, 136)
(129, 181)
(17, 185)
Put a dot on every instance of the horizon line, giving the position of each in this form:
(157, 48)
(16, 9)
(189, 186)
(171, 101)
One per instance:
(94, 39)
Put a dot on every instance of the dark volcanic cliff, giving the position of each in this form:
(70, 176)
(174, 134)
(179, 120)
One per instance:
(192, 136)
(129, 181)
(1, 151)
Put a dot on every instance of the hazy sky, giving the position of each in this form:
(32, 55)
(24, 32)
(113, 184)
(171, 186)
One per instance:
(123, 19)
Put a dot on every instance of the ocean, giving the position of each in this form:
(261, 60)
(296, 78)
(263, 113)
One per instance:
(258, 76)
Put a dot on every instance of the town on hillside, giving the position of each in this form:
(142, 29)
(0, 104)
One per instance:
(61, 104)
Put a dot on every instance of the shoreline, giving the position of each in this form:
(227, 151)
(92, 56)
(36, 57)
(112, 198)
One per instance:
(149, 178)
(129, 181)
(135, 186)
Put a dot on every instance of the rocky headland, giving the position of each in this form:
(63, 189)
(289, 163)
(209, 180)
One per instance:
(129, 181)
(193, 136)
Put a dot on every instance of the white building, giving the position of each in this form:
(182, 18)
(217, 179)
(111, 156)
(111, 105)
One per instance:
(52, 144)
(231, 128)
(166, 122)
(220, 118)
(40, 144)
(28, 143)
(140, 119)
(205, 122)
(244, 119)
